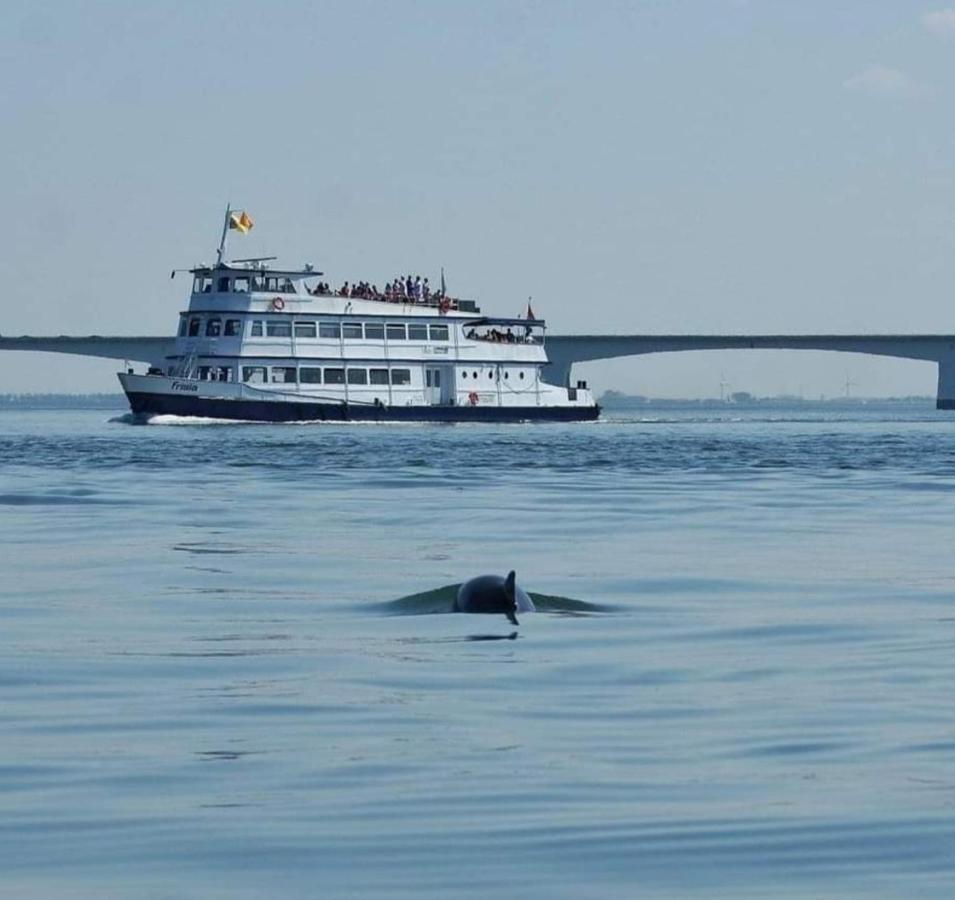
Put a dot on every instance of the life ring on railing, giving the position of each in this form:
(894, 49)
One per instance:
(278, 304)
(473, 398)
(444, 305)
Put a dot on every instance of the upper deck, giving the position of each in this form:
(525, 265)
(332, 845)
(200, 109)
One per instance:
(256, 288)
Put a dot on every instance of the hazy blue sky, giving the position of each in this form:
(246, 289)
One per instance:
(636, 167)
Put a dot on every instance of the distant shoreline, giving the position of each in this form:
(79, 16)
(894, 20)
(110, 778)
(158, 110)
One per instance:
(611, 400)
(62, 401)
(616, 400)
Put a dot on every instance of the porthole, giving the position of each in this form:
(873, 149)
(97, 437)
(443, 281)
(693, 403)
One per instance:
(490, 373)
(505, 374)
(464, 374)
(474, 374)
(521, 375)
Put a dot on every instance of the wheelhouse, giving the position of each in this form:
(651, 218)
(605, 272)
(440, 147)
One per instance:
(259, 280)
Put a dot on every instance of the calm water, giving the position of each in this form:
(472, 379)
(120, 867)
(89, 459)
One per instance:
(207, 689)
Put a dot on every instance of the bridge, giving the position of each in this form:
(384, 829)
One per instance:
(566, 350)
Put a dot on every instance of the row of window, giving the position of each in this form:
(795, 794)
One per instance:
(369, 331)
(324, 375)
(242, 284)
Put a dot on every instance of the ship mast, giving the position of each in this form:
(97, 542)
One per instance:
(225, 232)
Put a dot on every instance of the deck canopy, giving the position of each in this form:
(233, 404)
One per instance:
(507, 323)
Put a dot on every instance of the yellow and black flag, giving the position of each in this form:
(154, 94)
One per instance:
(241, 221)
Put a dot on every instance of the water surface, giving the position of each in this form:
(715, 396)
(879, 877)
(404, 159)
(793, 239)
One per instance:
(207, 687)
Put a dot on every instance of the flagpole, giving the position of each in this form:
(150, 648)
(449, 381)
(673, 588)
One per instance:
(225, 231)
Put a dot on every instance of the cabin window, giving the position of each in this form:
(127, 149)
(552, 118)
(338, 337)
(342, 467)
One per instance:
(183, 325)
(194, 327)
(202, 284)
(396, 332)
(378, 376)
(439, 332)
(272, 284)
(233, 327)
(401, 376)
(222, 287)
(351, 330)
(305, 329)
(213, 327)
(283, 375)
(374, 331)
(417, 332)
(240, 284)
(329, 330)
(358, 376)
(334, 376)
(278, 329)
(254, 374)
(214, 373)
(310, 375)
(256, 329)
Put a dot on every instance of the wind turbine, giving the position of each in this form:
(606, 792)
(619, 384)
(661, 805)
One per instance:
(724, 384)
(849, 385)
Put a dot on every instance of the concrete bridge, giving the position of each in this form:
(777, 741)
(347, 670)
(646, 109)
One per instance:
(565, 350)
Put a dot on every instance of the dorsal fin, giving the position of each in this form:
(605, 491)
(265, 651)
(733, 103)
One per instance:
(509, 585)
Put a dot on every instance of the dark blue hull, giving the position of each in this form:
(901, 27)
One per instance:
(271, 411)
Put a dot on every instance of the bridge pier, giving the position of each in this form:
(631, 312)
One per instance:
(945, 399)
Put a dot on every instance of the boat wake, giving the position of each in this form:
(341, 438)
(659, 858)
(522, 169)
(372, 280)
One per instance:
(156, 419)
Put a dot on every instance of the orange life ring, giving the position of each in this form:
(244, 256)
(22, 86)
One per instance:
(278, 304)
(473, 398)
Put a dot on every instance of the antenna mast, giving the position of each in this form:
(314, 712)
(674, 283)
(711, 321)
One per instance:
(225, 231)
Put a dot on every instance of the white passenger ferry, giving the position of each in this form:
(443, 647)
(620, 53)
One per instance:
(265, 344)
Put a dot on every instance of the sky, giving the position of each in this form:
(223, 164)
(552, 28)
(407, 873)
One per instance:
(640, 167)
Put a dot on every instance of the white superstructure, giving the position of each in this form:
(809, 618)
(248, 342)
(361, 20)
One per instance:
(254, 335)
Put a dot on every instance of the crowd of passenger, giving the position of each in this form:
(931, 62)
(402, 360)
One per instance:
(403, 289)
(497, 336)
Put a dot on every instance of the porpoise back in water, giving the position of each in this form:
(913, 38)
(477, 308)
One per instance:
(493, 594)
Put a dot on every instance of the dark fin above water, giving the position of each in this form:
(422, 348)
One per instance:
(441, 600)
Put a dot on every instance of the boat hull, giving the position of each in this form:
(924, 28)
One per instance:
(246, 410)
